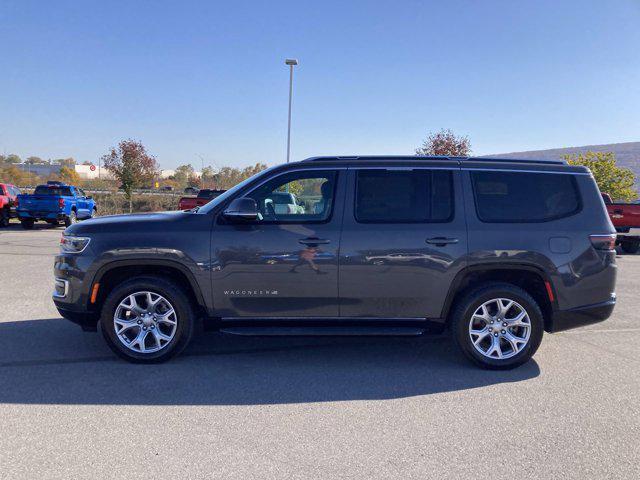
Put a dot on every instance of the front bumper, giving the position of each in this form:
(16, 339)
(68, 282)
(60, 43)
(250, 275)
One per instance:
(72, 281)
(581, 316)
(88, 321)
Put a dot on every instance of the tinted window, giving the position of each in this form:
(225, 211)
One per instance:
(57, 191)
(524, 197)
(385, 196)
(296, 197)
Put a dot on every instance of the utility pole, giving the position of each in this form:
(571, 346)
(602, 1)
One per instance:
(291, 62)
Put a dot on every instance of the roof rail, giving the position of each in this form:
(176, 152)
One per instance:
(515, 160)
(424, 157)
(376, 157)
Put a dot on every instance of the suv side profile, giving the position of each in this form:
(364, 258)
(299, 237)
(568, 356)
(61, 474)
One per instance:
(495, 251)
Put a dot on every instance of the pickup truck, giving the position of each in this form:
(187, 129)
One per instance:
(626, 220)
(55, 202)
(204, 196)
(8, 194)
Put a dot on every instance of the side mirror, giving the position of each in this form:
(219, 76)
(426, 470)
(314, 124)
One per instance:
(242, 209)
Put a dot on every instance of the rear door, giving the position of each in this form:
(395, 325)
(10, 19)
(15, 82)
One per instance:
(404, 239)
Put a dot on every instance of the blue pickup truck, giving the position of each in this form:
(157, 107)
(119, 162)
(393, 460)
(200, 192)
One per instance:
(55, 202)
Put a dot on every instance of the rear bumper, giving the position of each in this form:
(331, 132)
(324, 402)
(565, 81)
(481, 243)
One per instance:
(24, 215)
(581, 316)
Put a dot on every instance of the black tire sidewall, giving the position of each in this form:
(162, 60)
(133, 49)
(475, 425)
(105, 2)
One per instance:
(630, 247)
(4, 218)
(473, 300)
(27, 224)
(173, 293)
(71, 219)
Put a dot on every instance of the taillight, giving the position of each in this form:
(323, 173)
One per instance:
(603, 242)
(61, 202)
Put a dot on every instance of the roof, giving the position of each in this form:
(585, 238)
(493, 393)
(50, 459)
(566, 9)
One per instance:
(413, 158)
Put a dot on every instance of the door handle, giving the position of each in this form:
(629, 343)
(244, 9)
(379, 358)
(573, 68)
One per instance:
(441, 241)
(313, 241)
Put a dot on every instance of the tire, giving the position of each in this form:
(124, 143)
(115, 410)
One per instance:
(4, 218)
(94, 212)
(184, 318)
(53, 223)
(630, 247)
(70, 219)
(27, 224)
(509, 357)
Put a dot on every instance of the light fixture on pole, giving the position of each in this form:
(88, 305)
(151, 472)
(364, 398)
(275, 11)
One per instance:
(291, 62)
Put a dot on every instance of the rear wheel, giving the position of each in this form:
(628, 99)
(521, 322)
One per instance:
(147, 320)
(4, 217)
(27, 224)
(630, 247)
(498, 326)
(70, 219)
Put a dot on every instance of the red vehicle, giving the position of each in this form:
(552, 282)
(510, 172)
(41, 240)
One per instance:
(8, 202)
(204, 196)
(626, 219)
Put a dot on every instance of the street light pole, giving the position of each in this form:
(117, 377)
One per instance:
(291, 62)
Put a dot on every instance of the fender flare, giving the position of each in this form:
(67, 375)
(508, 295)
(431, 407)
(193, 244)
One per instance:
(454, 288)
(107, 267)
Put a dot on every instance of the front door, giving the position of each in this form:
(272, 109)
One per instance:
(285, 264)
(404, 239)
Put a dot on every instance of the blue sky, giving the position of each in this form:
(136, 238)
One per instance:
(208, 79)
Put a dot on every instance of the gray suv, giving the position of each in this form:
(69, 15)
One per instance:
(494, 251)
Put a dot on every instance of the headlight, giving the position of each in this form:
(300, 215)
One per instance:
(71, 244)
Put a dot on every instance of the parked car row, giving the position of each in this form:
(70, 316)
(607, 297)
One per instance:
(53, 202)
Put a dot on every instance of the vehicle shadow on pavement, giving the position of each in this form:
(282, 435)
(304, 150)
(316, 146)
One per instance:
(51, 361)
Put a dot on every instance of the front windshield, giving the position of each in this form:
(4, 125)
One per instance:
(229, 193)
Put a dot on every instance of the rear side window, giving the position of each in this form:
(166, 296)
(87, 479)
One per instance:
(521, 197)
(413, 196)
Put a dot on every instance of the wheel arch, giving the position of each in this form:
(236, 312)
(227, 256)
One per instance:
(532, 279)
(111, 274)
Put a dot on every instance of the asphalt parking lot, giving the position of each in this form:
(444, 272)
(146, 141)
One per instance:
(398, 408)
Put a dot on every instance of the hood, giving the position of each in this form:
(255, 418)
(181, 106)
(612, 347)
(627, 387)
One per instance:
(122, 223)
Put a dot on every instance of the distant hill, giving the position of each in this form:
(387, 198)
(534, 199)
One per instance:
(627, 154)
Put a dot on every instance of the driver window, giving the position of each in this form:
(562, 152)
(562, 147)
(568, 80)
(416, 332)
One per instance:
(296, 197)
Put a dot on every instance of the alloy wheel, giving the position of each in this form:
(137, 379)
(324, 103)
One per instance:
(145, 322)
(500, 328)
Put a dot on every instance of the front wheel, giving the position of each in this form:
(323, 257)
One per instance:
(147, 320)
(70, 219)
(498, 326)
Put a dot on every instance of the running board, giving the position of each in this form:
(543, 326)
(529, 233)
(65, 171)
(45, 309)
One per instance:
(324, 331)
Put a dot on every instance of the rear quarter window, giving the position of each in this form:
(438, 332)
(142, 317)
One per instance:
(523, 197)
